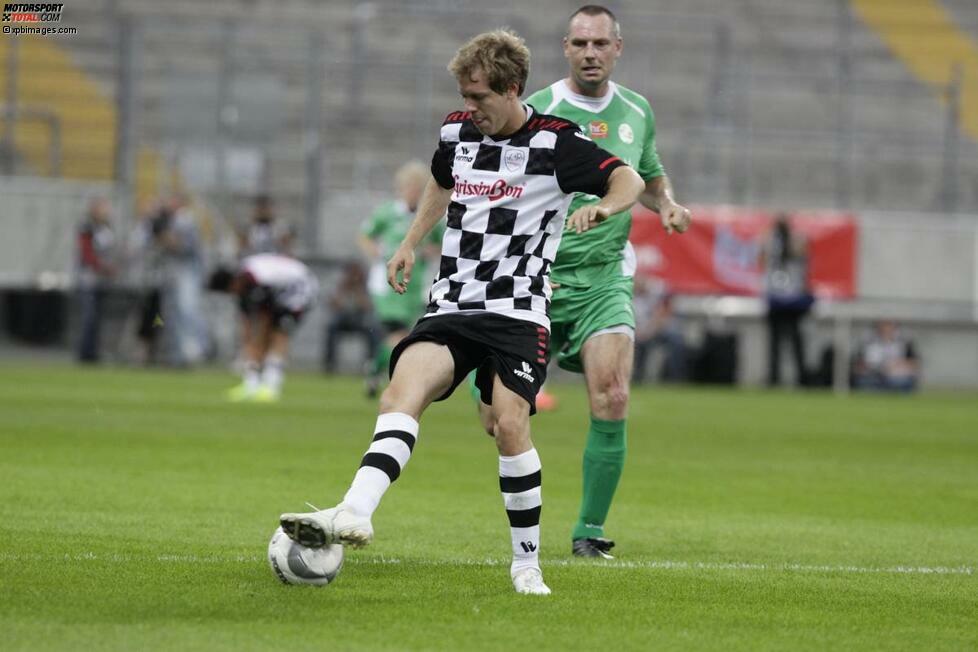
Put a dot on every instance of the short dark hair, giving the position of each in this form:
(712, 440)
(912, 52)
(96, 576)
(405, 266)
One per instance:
(220, 280)
(597, 10)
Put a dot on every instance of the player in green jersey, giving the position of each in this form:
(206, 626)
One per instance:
(380, 236)
(592, 321)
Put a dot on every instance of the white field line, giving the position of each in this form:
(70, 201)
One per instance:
(489, 561)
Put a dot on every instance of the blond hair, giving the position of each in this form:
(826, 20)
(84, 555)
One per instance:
(414, 171)
(500, 54)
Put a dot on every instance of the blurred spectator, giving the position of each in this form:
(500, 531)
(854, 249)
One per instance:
(380, 236)
(144, 269)
(96, 250)
(785, 262)
(351, 311)
(887, 361)
(176, 235)
(266, 234)
(656, 325)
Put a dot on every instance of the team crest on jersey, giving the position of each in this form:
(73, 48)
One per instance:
(598, 129)
(626, 134)
(514, 159)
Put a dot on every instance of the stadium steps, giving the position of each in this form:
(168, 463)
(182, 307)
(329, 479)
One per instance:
(49, 79)
(792, 41)
(924, 36)
(797, 43)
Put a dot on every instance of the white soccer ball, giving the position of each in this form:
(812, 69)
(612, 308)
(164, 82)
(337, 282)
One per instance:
(297, 564)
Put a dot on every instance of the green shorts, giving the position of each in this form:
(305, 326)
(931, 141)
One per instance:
(577, 313)
(404, 308)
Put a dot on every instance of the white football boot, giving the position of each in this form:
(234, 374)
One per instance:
(529, 581)
(328, 526)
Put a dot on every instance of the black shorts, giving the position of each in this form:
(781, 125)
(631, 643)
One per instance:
(515, 350)
(255, 298)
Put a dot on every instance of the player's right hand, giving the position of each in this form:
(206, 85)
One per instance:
(587, 217)
(402, 260)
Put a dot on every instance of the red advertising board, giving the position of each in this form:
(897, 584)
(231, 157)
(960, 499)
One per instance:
(721, 253)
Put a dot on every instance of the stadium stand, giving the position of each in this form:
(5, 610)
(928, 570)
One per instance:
(756, 81)
(777, 103)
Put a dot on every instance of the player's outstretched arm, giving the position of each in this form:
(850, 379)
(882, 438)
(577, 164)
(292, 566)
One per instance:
(658, 197)
(624, 187)
(432, 207)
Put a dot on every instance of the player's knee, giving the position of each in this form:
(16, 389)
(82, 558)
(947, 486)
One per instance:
(611, 400)
(508, 428)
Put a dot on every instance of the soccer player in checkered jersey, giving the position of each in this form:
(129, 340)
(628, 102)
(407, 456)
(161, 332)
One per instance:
(593, 326)
(504, 174)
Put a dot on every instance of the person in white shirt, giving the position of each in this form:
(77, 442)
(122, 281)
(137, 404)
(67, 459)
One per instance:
(274, 292)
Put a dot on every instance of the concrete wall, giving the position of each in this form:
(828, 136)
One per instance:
(918, 257)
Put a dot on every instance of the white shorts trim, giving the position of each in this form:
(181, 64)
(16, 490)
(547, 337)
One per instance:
(621, 328)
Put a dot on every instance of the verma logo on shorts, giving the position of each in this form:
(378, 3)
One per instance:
(526, 374)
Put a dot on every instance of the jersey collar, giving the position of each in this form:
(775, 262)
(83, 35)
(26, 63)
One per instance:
(561, 91)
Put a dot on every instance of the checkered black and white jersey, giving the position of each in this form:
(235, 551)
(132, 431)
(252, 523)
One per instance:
(507, 211)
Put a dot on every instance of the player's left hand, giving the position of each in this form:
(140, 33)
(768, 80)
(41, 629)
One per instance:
(403, 259)
(675, 218)
(587, 217)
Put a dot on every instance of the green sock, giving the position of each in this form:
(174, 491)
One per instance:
(604, 458)
(383, 359)
(473, 389)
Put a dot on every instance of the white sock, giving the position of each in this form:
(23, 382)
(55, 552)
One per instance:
(251, 376)
(272, 373)
(520, 483)
(389, 452)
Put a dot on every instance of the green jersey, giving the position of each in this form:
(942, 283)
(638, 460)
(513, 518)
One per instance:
(622, 123)
(387, 226)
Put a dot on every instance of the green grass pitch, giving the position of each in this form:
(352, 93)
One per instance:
(135, 508)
